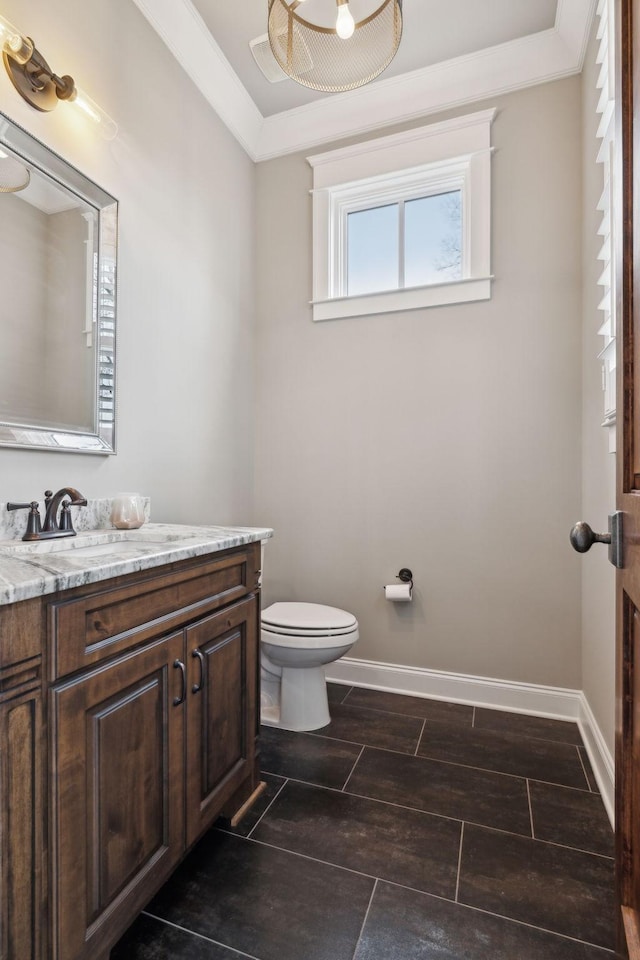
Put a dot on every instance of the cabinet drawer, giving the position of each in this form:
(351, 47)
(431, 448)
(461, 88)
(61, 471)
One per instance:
(109, 620)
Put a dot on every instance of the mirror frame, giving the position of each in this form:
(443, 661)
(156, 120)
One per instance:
(102, 439)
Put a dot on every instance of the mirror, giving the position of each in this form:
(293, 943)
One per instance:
(58, 303)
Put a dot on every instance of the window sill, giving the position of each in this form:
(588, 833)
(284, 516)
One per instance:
(396, 301)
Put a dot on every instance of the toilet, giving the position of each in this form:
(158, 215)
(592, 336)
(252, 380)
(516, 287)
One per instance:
(297, 641)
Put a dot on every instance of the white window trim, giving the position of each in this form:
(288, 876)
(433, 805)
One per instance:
(454, 154)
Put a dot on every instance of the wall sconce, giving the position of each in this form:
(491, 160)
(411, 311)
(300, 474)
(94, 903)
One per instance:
(36, 82)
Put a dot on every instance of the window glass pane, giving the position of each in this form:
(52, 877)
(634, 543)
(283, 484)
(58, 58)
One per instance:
(433, 239)
(372, 250)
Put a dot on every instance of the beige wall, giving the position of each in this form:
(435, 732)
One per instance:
(598, 465)
(186, 192)
(446, 440)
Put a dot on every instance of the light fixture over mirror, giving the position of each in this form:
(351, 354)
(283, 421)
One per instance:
(334, 45)
(36, 82)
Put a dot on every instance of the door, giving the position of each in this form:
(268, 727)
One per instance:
(221, 707)
(628, 492)
(119, 731)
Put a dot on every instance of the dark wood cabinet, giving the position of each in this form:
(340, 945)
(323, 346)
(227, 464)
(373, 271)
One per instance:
(22, 784)
(21, 834)
(222, 652)
(141, 695)
(117, 792)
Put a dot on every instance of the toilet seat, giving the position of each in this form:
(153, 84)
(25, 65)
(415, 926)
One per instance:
(323, 641)
(307, 620)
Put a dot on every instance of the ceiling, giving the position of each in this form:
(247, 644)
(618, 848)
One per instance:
(433, 31)
(453, 52)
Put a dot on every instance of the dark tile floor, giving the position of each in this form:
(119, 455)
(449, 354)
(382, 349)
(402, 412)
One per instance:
(407, 829)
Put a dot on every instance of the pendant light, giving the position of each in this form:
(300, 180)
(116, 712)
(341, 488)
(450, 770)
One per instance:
(333, 58)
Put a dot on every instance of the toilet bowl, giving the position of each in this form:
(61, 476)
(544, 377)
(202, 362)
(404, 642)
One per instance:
(297, 641)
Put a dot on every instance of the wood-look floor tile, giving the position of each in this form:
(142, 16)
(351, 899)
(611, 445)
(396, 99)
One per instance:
(265, 902)
(522, 725)
(504, 753)
(405, 925)
(571, 817)
(446, 789)
(373, 728)
(379, 839)
(302, 756)
(566, 891)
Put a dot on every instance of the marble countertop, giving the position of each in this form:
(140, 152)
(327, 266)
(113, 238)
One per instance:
(34, 569)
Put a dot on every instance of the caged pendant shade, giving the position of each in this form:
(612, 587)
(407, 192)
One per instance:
(329, 59)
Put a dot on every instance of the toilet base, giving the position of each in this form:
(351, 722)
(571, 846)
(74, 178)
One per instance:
(303, 704)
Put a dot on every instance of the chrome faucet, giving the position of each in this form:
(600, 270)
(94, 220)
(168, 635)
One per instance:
(52, 526)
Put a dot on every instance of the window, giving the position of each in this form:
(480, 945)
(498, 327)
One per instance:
(403, 222)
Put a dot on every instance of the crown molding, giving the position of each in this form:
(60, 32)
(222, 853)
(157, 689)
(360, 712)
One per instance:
(185, 33)
(537, 58)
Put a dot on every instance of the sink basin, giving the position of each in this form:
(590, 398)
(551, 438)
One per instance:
(90, 544)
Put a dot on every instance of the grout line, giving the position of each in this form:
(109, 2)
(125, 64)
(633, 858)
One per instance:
(307, 856)
(176, 926)
(502, 916)
(366, 916)
(473, 719)
(584, 769)
(533, 832)
(459, 862)
(433, 813)
(387, 803)
(268, 807)
(344, 786)
(453, 763)
(424, 723)
(347, 694)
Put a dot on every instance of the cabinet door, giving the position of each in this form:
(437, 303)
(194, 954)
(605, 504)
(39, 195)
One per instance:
(20, 824)
(222, 651)
(118, 793)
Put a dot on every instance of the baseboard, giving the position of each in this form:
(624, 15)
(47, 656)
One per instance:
(557, 703)
(599, 755)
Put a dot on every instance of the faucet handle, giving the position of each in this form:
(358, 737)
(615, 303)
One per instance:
(33, 523)
(65, 513)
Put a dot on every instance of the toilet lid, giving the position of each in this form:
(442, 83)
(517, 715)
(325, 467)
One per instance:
(307, 616)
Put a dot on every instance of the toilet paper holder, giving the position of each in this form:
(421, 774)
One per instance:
(405, 575)
(402, 593)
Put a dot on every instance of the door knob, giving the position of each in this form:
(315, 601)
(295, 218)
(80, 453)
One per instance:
(582, 538)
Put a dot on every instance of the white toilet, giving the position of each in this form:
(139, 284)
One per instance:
(297, 640)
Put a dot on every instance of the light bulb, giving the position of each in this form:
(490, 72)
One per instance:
(107, 127)
(345, 24)
(16, 46)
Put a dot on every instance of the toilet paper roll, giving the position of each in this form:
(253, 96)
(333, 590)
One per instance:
(399, 592)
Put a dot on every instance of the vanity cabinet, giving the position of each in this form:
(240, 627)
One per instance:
(150, 683)
(21, 783)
